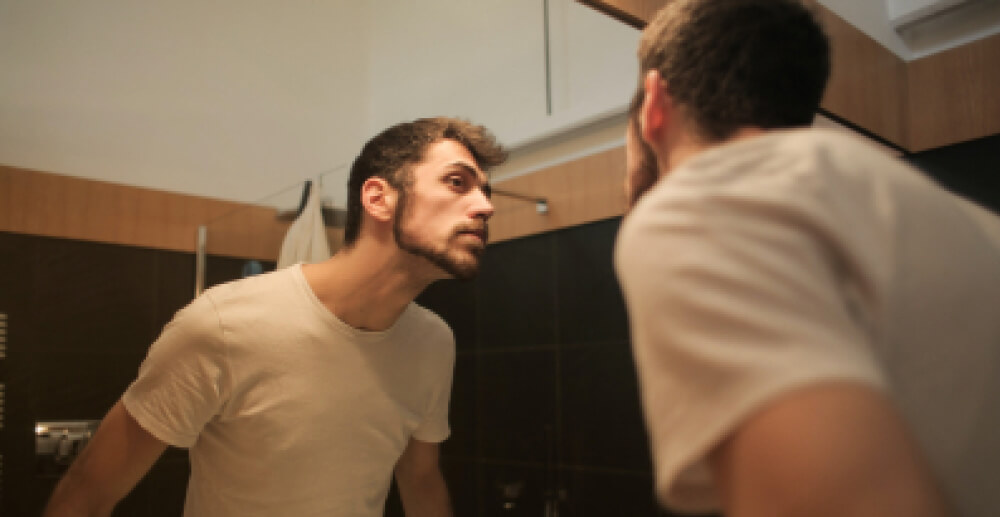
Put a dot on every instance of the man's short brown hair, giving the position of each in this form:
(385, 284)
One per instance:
(392, 153)
(737, 63)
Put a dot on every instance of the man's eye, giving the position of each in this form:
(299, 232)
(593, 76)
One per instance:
(456, 181)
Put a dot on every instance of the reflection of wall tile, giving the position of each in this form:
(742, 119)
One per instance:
(70, 385)
(462, 478)
(512, 491)
(219, 269)
(455, 302)
(516, 404)
(89, 296)
(602, 423)
(462, 411)
(967, 168)
(16, 270)
(591, 308)
(94, 309)
(174, 285)
(601, 494)
(517, 293)
(161, 492)
(393, 504)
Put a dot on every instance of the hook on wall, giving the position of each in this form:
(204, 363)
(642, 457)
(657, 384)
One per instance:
(332, 217)
(541, 203)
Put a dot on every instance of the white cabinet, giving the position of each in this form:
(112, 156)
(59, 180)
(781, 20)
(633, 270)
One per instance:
(486, 61)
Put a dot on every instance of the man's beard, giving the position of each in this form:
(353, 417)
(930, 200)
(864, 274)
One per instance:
(466, 269)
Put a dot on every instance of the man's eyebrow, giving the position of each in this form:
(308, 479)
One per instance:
(464, 166)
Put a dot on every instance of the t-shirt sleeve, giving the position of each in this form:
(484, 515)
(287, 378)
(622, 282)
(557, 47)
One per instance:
(434, 427)
(182, 381)
(734, 300)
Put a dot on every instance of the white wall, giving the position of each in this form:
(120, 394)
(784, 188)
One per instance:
(478, 60)
(485, 61)
(241, 99)
(231, 99)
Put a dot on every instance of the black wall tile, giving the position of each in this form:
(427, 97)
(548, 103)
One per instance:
(220, 269)
(591, 307)
(85, 315)
(16, 268)
(165, 486)
(601, 417)
(17, 434)
(92, 297)
(393, 504)
(517, 293)
(174, 285)
(516, 405)
(967, 168)
(462, 478)
(513, 490)
(455, 302)
(462, 415)
(71, 385)
(604, 494)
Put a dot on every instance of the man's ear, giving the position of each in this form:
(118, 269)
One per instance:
(378, 198)
(656, 113)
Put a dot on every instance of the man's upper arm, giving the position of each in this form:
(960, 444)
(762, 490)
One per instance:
(837, 449)
(420, 458)
(421, 486)
(115, 459)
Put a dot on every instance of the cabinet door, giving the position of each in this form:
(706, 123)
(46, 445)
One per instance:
(483, 61)
(593, 62)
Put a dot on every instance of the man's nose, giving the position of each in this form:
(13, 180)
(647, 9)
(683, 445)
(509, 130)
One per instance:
(482, 206)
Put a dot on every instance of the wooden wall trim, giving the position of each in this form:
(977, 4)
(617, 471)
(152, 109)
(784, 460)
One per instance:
(54, 205)
(954, 96)
(580, 191)
(867, 83)
(939, 100)
(632, 12)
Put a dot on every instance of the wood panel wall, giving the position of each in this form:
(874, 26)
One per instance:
(867, 82)
(954, 96)
(580, 191)
(54, 205)
(942, 99)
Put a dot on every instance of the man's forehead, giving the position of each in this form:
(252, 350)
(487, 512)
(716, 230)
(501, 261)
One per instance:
(451, 154)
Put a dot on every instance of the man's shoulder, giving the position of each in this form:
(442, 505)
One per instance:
(251, 286)
(258, 296)
(429, 322)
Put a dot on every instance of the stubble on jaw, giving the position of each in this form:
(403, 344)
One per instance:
(459, 269)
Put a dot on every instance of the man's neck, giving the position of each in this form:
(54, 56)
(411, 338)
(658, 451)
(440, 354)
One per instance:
(688, 146)
(366, 286)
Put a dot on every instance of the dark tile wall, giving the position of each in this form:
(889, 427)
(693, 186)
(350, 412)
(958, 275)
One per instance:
(81, 316)
(545, 406)
(969, 169)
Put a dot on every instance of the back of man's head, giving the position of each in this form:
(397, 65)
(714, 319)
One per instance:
(739, 63)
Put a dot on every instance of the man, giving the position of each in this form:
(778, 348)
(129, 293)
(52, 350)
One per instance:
(814, 323)
(301, 391)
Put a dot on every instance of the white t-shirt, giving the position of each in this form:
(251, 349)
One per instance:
(802, 256)
(286, 409)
